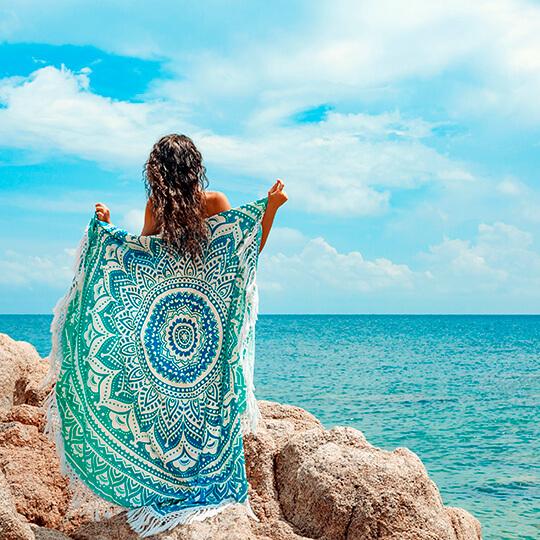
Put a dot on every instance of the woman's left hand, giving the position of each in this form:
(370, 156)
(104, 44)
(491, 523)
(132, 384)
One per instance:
(103, 213)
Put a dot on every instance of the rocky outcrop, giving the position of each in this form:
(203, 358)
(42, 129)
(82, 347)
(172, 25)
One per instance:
(12, 524)
(346, 488)
(305, 482)
(21, 368)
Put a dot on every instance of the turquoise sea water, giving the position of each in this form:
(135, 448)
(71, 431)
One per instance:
(462, 392)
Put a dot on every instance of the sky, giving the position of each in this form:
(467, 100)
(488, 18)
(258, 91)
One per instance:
(407, 135)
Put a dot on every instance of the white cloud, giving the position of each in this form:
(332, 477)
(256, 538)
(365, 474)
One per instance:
(498, 264)
(19, 270)
(499, 260)
(285, 240)
(333, 49)
(497, 268)
(512, 187)
(53, 110)
(343, 165)
(320, 266)
(133, 221)
(349, 50)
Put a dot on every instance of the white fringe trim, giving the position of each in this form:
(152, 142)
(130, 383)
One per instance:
(250, 419)
(60, 311)
(84, 499)
(145, 521)
(142, 520)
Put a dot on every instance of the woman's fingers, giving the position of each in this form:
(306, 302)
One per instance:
(103, 213)
(278, 186)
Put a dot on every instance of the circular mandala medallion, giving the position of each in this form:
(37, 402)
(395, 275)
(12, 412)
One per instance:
(181, 337)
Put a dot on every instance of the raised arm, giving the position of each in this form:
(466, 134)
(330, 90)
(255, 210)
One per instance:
(276, 197)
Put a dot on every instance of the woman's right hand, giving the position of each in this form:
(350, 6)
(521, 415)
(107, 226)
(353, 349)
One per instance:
(276, 195)
(103, 213)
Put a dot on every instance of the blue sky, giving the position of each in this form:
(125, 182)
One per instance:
(407, 135)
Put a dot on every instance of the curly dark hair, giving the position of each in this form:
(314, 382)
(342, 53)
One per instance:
(175, 179)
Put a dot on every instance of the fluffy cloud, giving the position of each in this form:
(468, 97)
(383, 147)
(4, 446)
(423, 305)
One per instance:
(318, 266)
(497, 265)
(339, 49)
(348, 50)
(496, 269)
(343, 165)
(499, 260)
(54, 111)
(19, 270)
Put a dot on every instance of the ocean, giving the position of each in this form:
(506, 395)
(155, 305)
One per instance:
(461, 391)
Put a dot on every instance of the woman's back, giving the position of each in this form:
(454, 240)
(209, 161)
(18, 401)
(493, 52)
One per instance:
(215, 202)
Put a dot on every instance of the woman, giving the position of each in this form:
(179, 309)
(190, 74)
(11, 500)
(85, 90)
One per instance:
(153, 355)
(177, 203)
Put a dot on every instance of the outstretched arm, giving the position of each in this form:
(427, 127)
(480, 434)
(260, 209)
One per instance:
(276, 197)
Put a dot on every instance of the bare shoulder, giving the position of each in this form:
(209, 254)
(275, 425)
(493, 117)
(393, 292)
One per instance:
(216, 202)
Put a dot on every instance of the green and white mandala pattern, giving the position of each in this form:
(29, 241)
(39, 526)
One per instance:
(153, 362)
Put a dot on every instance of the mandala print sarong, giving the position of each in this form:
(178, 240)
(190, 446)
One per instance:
(152, 364)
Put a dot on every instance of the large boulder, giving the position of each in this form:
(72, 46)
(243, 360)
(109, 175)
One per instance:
(21, 370)
(335, 484)
(465, 525)
(32, 469)
(279, 423)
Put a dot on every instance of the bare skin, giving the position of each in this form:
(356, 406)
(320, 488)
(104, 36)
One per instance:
(216, 202)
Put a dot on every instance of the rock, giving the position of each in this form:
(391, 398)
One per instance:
(337, 485)
(232, 523)
(278, 424)
(305, 482)
(11, 525)
(284, 421)
(21, 369)
(43, 533)
(25, 414)
(276, 530)
(467, 527)
(15, 435)
(114, 528)
(32, 469)
(33, 393)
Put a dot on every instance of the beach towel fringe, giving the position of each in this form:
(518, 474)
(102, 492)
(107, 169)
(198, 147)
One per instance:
(249, 420)
(142, 520)
(60, 313)
(84, 500)
(146, 522)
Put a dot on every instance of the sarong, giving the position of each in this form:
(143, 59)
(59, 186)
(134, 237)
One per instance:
(152, 364)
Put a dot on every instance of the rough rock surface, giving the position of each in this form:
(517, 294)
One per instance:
(346, 488)
(28, 460)
(464, 524)
(21, 368)
(12, 527)
(43, 533)
(305, 482)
